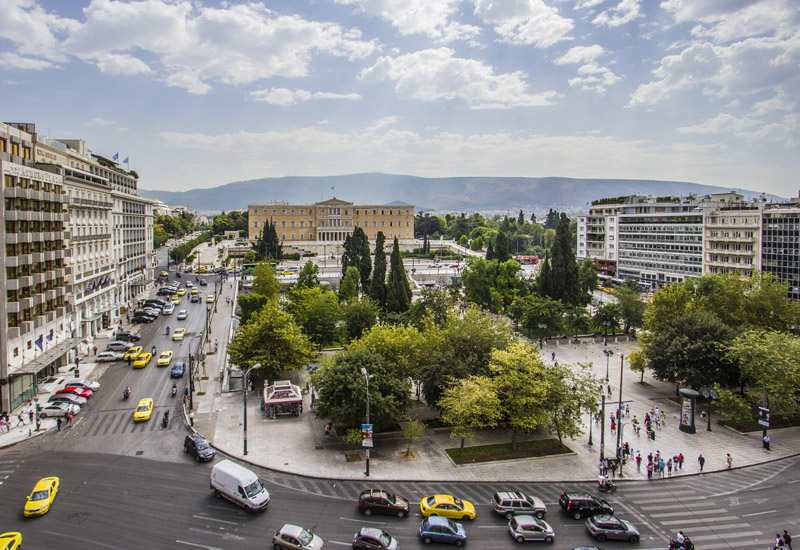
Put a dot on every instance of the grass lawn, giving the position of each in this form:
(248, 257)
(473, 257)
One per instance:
(502, 451)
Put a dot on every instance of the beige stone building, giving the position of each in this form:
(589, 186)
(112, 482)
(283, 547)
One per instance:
(326, 224)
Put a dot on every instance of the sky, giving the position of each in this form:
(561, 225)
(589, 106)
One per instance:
(197, 94)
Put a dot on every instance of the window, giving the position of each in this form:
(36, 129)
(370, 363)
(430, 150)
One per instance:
(255, 224)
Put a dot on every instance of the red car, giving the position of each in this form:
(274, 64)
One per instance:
(76, 390)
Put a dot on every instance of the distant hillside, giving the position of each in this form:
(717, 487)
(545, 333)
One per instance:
(463, 194)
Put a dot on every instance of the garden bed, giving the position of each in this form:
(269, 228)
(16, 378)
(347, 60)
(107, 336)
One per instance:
(502, 451)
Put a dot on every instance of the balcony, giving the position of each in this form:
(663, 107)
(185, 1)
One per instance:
(12, 284)
(25, 280)
(13, 333)
(12, 307)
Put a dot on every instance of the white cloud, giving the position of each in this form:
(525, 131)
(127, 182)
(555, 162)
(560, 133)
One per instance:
(433, 75)
(778, 102)
(98, 121)
(623, 13)
(14, 61)
(431, 18)
(594, 78)
(722, 123)
(121, 64)
(726, 20)
(285, 96)
(748, 128)
(34, 32)
(581, 54)
(525, 21)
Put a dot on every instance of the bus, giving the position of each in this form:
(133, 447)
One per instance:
(248, 268)
(527, 260)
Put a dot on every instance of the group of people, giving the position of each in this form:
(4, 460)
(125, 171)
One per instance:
(783, 541)
(658, 466)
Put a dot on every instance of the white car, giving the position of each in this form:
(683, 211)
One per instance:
(189, 284)
(59, 409)
(109, 356)
(182, 315)
(168, 309)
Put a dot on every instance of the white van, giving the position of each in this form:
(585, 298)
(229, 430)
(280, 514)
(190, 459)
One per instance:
(239, 485)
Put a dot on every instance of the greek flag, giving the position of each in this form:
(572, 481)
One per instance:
(116, 156)
(126, 160)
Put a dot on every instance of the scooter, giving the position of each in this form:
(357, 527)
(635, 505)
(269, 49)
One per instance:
(165, 420)
(174, 390)
(675, 545)
(125, 395)
(607, 487)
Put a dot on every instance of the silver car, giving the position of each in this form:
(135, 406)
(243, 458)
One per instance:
(68, 398)
(119, 345)
(607, 527)
(524, 527)
(59, 409)
(109, 356)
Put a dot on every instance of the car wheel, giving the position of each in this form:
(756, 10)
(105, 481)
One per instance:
(539, 514)
(465, 518)
(197, 457)
(577, 515)
(520, 540)
(219, 495)
(509, 515)
(459, 543)
(367, 512)
(634, 538)
(276, 546)
(401, 514)
(42, 415)
(427, 540)
(601, 538)
(548, 539)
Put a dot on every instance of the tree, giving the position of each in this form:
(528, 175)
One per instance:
(552, 219)
(490, 284)
(540, 317)
(563, 283)
(377, 287)
(348, 289)
(412, 432)
(308, 276)
(356, 254)
(476, 244)
(463, 241)
(250, 304)
(342, 390)
(398, 294)
(587, 277)
(265, 282)
(544, 278)
(571, 391)
(692, 351)
(318, 312)
(490, 252)
(521, 219)
(576, 320)
(607, 316)
(273, 339)
(436, 304)
(520, 380)
(501, 252)
(268, 245)
(631, 308)
(359, 317)
(399, 345)
(470, 404)
(637, 361)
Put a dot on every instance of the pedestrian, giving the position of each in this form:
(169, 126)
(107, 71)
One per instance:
(38, 424)
(58, 423)
(605, 466)
(2, 423)
(778, 542)
(669, 466)
(638, 462)
(613, 468)
(787, 540)
(729, 461)
(609, 390)
(20, 419)
(680, 461)
(69, 419)
(627, 410)
(554, 356)
(613, 426)
(766, 442)
(30, 415)
(661, 467)
(650, 458)
(702, 461)
(328, 429)
(649, 470)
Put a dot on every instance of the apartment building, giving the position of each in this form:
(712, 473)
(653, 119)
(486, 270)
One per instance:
(328, 223)
(38, 335)
(732, 238)
(780, 243)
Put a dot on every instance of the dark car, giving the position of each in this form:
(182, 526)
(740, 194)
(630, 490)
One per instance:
(580, 505)
(198, 447)
(371, 538)
(374, 501)
(195, 298)
(138, 319)
(177, 370)
(128, 336)
(166, 291)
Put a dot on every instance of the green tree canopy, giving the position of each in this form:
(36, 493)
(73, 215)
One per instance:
(434, 303)
(501, 252)
(265, 282)
(318, 312)
(308, 276)
(359, 317)
(250, 304)
(357, 254)
(470, 404)
(398, 294)
(268, 244)
(348, 289)
(377, 287)
(631, 308)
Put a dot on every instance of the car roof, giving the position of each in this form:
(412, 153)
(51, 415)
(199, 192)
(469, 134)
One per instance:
(371, 532)
(145, 401)
(438, 520)
(289, 529)
(527, 519)
(510, 494)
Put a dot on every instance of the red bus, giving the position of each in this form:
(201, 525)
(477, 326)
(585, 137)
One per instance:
(527, 260)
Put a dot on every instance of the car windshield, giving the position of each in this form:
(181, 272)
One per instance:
(385, 540)
(253, 489)
(431, 501)
(305, 537)
(391, 499)
(143, 408)
(40, 495)
(452, 525)
(202, 446)
(458, 502)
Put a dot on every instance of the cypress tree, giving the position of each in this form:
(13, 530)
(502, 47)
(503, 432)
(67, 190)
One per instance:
(521, 219)
(501, 253)
(564, 283)
(489, 252)
(377, 287)
(543, 280)
(398, 295)
(356, 254)
(268, 244)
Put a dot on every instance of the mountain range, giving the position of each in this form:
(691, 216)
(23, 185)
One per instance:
(455, 194)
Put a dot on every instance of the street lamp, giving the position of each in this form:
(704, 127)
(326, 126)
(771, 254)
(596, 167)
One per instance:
(608, 353)
(244, 411)
(367, 377)
(605, 324)
(710, 395)
(542, 328)
(619, 411)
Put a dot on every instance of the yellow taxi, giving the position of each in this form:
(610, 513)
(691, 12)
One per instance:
(142, 360)
(42, 497)
(163, 274)
(202, 269)
(164, 359)
(447, 506)
(210, 298)
(143, 410)
(181, 292)
(195, 291)
(176, 300)
(179, 333)
(132, 353)
(10, 541)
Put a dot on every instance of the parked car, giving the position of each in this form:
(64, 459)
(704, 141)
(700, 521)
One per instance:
(439, 529)
(70, 398)
(511, 503)
(119, 346)
(580, 505)
(293, 537)
(59, 409)
(168, 309)
(109, 356)
(128, 336)
(203, 282)
(371, 538)
(80, 391)
(374, 501)
(189, 284)
(525, 527)
(197, 446)
(139, 319)
(83, 383)
(607, 527)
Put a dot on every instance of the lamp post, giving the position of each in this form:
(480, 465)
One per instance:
(605, 324)
(602, 425)
(244, 411)
(608, 353)
(619, 411)
(542, 328)
(367, 377)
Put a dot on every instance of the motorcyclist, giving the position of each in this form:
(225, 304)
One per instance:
(167, 330)
(127, 393)
(174, 389)
(165, 421)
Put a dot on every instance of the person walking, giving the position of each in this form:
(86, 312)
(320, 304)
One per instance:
(702, 461)
(729, 461)
(58, 423)
(328, 429)
(787, 540)
(680, 461)
(638, 462)
(778, 542)
(38, 424)
(20, 419)
(69, 419)
(613, 468)
(649, 470)
(669, 466)
(766, 442)
(30, 414)
(605, 466)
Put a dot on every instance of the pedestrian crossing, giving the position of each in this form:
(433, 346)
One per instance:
(107, 423)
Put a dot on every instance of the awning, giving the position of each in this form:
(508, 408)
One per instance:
(102, 311)
(282, 392)
(46, 358)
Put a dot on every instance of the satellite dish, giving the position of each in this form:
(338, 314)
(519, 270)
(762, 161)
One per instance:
(705, 393)
(714, 394)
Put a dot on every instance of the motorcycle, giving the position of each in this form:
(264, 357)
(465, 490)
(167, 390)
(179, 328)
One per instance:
(686, 545)
(165, 420)
(126, 394)
(607, 487)
(174, 390)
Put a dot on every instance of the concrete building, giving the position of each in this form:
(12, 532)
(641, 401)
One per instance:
(37, 334)
(780, 243)
(732, 240)
(323, 226)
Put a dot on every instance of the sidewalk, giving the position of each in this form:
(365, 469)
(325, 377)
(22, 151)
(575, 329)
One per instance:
(298, 444)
